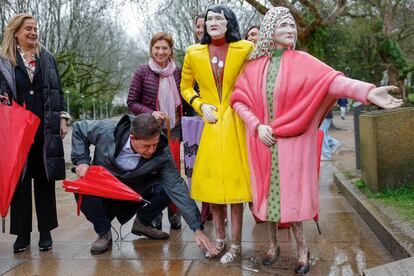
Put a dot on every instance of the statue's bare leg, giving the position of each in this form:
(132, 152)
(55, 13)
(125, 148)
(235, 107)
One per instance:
(273, 253)
(303, 251)
(236, 231)
(218, 220)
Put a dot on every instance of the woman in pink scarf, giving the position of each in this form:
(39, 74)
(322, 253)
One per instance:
(155, 89)
(282, 96)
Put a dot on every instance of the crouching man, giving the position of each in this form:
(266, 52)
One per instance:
(135, 152)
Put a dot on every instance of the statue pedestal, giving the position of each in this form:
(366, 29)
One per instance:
(387, 148)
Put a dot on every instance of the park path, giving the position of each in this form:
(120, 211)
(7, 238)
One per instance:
(346, 247)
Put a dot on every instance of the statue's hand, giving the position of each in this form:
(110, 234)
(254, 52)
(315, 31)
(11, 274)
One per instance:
(380, 97)
(208, 113)
(266, 135)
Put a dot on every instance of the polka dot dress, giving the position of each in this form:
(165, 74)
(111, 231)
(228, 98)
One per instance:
(273, 210)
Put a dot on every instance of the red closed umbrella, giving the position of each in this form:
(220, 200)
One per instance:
(17, 131)
(320, 142)
(99, 182)
(175, 153)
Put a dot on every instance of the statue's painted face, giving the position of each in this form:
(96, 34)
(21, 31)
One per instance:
(216, 24)
(285, 33)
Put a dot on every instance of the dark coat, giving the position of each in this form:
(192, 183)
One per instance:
(109, 137)
(143, 93)
(53, 104)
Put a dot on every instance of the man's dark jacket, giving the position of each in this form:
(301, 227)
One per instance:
(109, 137)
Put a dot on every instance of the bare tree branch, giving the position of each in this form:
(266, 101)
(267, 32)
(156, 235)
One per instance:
(258, 6)
(300, 22)
(340, 9)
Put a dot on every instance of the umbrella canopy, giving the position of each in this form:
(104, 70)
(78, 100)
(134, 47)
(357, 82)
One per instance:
(99, 182)
(17, 131)
(192, 128)
(319, 145)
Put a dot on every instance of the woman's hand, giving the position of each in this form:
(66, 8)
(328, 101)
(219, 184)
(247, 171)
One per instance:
(63, 127)
(208, 113)
(266, 135)
(380, 97)
(159, 115)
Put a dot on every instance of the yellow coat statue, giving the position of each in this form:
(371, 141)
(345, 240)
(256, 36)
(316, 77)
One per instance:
(221, 172)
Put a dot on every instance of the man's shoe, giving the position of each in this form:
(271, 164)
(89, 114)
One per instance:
(175, 221)
(102, 243)
(157, 226)
(157, 222)
(45, 241)
(152, 233)
(22, 243)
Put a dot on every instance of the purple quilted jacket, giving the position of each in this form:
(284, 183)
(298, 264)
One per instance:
(142, 96)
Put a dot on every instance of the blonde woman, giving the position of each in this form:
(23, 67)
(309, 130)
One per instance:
(30, 74)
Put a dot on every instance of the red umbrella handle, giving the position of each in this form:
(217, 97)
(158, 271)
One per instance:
(80, 198)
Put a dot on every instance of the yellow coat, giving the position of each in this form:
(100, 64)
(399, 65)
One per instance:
(221, 172)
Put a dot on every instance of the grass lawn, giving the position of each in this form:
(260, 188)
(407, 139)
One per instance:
(399, 199)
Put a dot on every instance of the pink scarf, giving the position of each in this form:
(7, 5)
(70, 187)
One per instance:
(168, 96)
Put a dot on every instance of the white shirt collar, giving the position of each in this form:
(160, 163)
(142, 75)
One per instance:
(128, 148)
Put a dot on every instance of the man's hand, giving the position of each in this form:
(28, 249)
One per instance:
(4, 99)
(81, 169)
(208, 113)
(204, 242)
(266, 135)
(160, 116)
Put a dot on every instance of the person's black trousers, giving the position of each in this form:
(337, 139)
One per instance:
(44, 194)
(101, 211)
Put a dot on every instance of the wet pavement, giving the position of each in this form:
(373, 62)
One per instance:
(346, 247)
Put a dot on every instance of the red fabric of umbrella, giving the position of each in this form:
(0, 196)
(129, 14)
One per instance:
(17, 131)
(319, 145)
(99, 182)
(175, 153)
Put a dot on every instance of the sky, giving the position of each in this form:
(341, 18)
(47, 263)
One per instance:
(130, 18)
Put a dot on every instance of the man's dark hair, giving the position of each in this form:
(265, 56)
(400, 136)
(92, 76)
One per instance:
(232, 34)
(145, 126)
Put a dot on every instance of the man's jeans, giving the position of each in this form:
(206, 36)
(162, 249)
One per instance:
(100, 211)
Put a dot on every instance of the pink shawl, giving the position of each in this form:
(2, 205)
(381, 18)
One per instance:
(302, 85)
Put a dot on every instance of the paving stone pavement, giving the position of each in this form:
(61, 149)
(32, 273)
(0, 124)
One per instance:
(346, 247)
